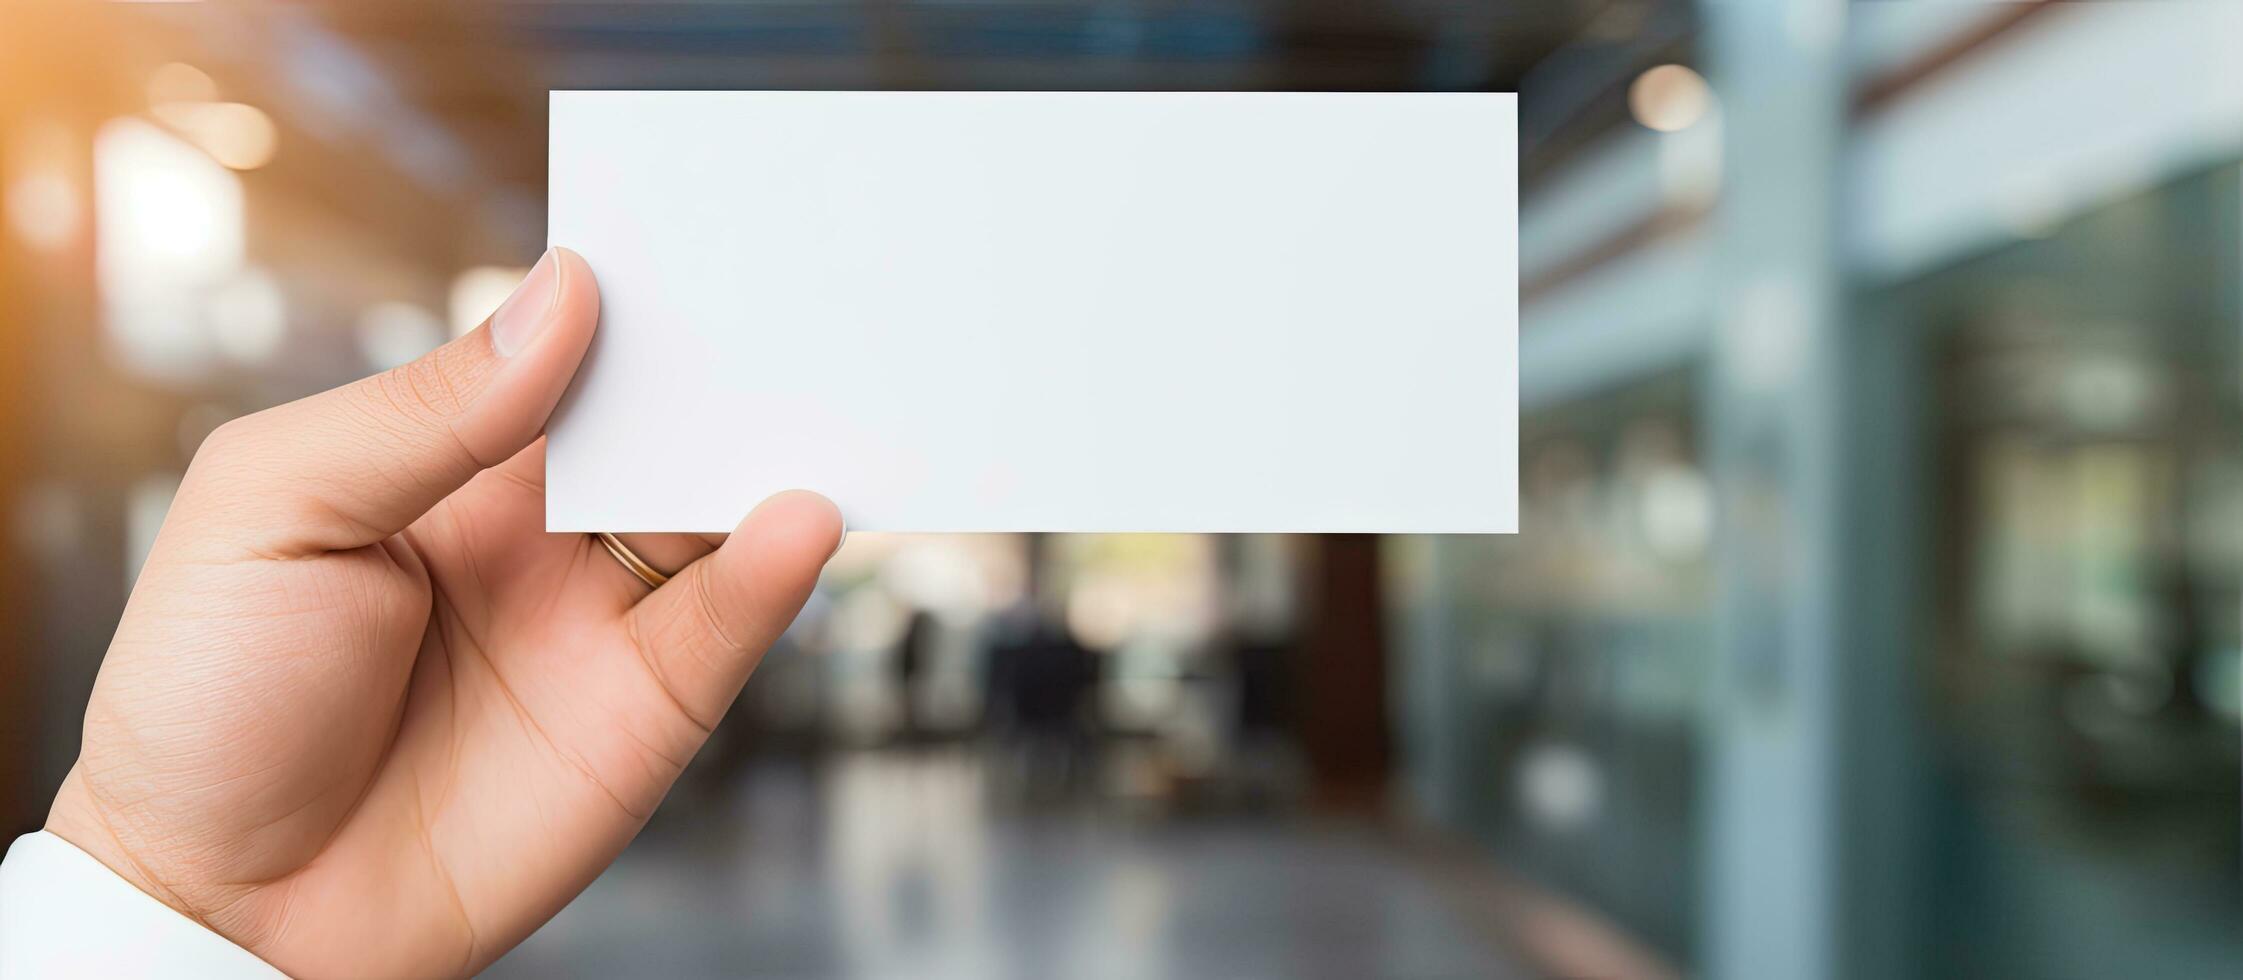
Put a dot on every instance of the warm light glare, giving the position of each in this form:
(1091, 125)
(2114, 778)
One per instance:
(240, 136)
(1669, 98)
(43, 210)
(477, 292)
(177, 83)
(168, 229)
(162, 201)
(44, 200)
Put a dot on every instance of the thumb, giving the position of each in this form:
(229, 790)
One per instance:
(356, 464)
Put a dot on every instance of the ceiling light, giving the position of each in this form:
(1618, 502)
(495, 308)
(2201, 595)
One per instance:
(1669, 98)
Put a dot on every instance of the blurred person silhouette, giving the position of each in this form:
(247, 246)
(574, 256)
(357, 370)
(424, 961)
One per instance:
(913, 653)
(363, 715)
(1041, 681)
(1264, 763)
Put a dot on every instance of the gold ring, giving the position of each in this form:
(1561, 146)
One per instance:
(630, 560)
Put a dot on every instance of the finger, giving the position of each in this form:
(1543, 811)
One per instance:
(670, 553)
(351, 466)
(704, 631)
(667, 552)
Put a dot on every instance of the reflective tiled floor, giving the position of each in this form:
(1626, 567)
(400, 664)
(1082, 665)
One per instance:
(882, 866)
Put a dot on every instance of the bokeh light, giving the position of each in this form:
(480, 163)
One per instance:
(43, 210)
(179, 83)
(248, 317)
(169, 227)
(477, 293)
(392, 333)
(240, 136)
(1669, 98)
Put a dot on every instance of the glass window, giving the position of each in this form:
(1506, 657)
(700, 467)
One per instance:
(1579, 658)
(2086, 541)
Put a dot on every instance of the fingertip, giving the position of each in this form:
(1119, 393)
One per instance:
(801, 522)
(580, 289)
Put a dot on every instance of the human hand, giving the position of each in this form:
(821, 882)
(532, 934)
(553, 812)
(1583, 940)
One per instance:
(363, 715)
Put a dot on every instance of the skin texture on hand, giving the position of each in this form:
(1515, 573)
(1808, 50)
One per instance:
(363, 716)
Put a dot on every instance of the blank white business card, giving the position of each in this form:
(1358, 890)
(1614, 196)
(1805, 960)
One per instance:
(1042, 311)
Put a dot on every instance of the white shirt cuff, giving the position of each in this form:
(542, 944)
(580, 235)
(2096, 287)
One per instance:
(64, 914)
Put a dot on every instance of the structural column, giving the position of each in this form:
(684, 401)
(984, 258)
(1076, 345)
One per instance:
(1776, 389)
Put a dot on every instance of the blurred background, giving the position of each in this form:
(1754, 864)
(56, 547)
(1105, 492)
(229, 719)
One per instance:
(1875, 612)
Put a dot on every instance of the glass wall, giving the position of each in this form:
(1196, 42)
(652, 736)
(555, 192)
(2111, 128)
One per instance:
(2065, 542)
(2081, 637)
(1569, 740)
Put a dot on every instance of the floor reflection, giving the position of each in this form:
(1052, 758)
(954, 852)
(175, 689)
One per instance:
(878, 865)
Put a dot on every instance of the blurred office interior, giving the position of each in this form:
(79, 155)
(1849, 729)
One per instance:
(1875, 611)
